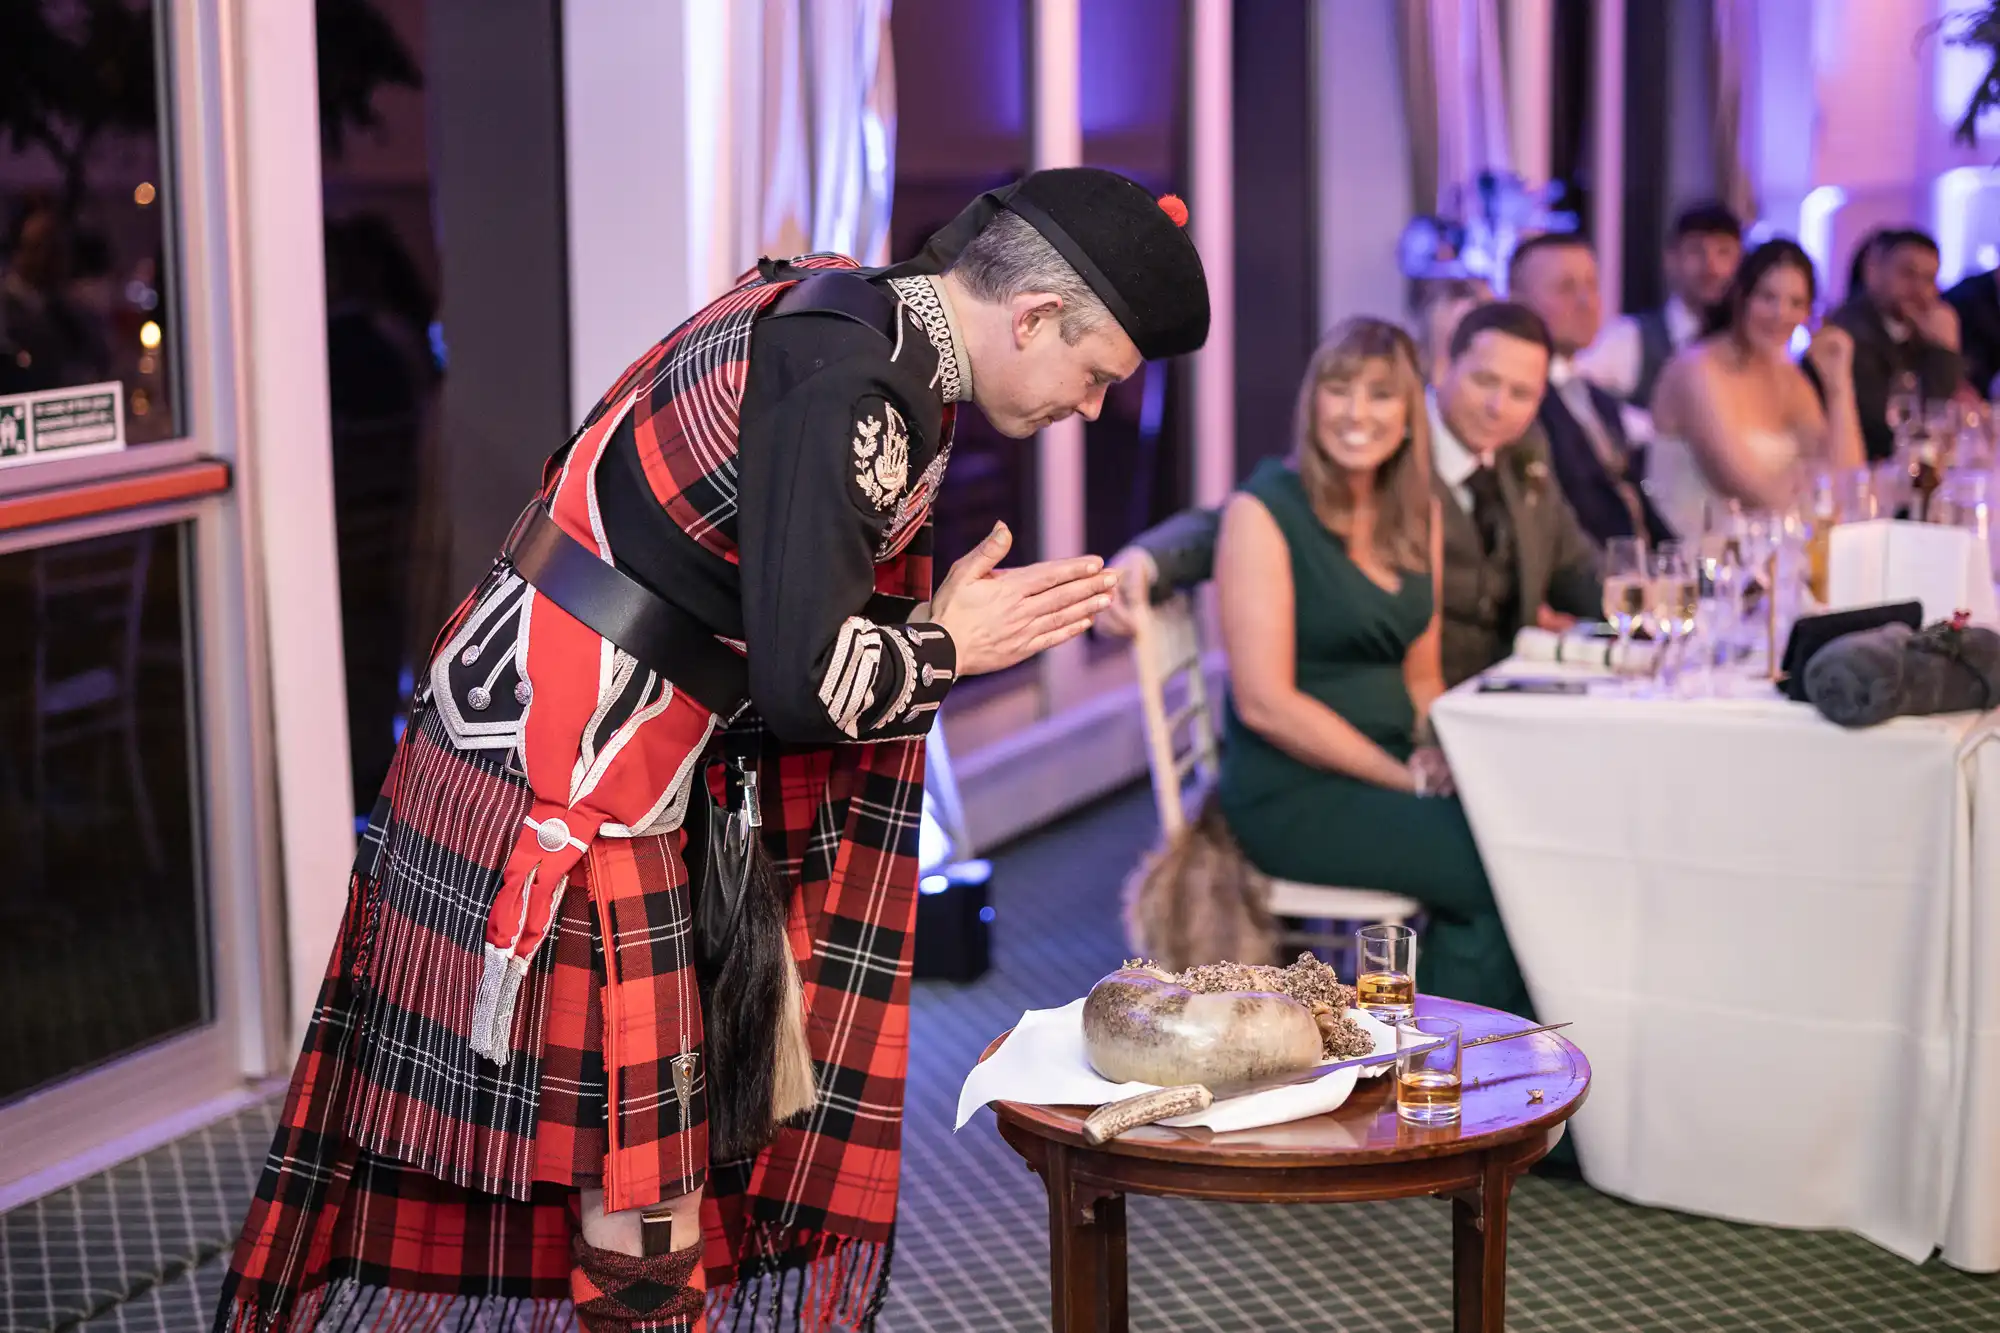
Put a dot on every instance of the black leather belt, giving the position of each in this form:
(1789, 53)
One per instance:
(662, 636)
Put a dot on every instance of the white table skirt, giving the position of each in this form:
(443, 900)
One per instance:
(1780, 945)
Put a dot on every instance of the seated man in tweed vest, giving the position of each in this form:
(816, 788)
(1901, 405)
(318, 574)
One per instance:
(1514, 555)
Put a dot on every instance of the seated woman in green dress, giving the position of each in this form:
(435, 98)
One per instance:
(1325, 570)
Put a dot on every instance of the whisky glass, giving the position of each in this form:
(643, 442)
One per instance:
(1385, 974)
(1429, 1052)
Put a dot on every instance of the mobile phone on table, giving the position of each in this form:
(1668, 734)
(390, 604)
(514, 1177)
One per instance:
(1532, 685)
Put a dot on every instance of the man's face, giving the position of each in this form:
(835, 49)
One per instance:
(1559, 283)
(1700, 266)
(1491, 390)
(1907, 278)
(1041, 379)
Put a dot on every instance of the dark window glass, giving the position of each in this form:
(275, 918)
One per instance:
(385, 366)
(1134, 109)
(961, 129)
(103, 941)
(87, 264)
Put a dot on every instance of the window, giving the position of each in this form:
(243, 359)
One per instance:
(90, 337)
(103, 936)
(961, 89)
(1134, 108)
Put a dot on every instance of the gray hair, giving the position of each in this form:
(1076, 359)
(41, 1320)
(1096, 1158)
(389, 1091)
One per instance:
(1010, 257)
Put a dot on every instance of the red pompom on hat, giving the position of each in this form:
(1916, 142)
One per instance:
(1129, 244)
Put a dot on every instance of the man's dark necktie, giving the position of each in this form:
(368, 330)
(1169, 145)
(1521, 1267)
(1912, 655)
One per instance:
(1489, 507)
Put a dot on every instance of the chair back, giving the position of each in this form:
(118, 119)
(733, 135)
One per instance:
(1182, 743)
(89, 600)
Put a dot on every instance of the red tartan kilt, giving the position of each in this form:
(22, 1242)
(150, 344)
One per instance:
(576, 1103)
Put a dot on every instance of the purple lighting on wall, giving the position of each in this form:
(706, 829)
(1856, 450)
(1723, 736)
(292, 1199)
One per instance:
(1129, 64)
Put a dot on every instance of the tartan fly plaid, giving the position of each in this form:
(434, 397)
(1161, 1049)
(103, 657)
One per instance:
(416, 1183)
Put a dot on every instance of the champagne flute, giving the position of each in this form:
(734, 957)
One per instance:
(1624, 591)
(1906, 400)
(1673, 599)
(1722, 612)
(1759, 535)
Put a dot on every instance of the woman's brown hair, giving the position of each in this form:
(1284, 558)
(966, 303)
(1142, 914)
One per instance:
(1402, 484)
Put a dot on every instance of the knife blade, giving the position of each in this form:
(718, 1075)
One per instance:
(1110, 1120)
(1245, 1087)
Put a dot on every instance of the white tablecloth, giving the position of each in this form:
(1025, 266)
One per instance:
(1780, 944)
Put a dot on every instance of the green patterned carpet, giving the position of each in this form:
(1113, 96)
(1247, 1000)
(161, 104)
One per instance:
(136, 1249)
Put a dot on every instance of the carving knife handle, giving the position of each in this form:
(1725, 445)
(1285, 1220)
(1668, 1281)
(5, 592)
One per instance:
(1107, 1122)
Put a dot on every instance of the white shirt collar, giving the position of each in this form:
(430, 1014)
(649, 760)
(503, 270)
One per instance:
(1452, 461)
(1562, 370)
(1683, 325)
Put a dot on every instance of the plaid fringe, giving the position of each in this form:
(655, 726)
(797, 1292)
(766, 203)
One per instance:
(348, 1306)
(843, 1283)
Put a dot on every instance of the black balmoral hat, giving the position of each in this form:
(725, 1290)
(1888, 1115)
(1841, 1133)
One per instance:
(1131, 248)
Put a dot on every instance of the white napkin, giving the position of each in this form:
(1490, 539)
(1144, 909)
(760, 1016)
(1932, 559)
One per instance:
(1885, 560)
(1582, 648)
(1042, 1063)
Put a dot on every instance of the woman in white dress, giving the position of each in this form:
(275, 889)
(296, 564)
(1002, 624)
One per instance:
(1736, 418)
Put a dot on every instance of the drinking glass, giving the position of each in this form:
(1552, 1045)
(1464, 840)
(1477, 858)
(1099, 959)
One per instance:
(1918, 458)
(1428, 1068)
(1967, 500)
(1385, 975)
(1624, 589)
(1673, 597)
(1942, 418)
(1906, 400)
(1889, 488)
(1856, 498)
(1722, 610)
(1974, 446)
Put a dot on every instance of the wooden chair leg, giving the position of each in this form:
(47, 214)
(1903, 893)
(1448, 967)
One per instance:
(1479, 1251)
(1086, 1252)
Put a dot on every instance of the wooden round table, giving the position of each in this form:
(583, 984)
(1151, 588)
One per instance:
(1517, 1095)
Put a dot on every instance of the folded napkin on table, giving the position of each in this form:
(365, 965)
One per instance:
(1890, 671)
(1581, 647)
(1042, 1063)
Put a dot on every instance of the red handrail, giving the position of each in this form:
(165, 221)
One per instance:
(184, 481)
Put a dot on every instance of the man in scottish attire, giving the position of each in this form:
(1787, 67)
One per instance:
(578, 1048)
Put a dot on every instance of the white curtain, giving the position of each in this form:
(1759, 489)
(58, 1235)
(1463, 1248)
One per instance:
(794, 104)
(1472, 96)
(1733, 56)
(1456, 96)
(829, 128)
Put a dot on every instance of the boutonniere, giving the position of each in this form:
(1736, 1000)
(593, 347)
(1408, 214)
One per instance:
(1531, 472)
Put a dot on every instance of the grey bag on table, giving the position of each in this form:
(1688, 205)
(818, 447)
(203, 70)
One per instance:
(1866, 678)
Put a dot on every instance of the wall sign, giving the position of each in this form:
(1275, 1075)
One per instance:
(62, 423)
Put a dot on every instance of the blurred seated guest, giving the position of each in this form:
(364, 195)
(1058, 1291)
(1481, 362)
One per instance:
(1861, 268)
(1326, 568)
(1900, 326)
(1736, 415)
(1438, 306)
(1976, 300)
(48, 340)
(1514, 555)
(1600, 466)
(1627, 358)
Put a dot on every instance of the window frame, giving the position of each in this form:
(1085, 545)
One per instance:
(147, 1097)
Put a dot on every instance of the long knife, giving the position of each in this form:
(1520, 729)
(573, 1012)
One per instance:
(1107, 1122)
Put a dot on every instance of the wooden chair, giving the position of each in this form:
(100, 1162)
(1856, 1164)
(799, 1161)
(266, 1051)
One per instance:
(1182, 746)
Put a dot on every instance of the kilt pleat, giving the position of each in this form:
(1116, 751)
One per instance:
(422, 1096)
